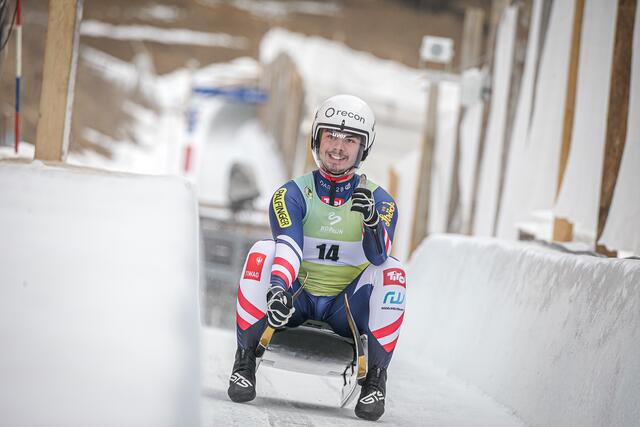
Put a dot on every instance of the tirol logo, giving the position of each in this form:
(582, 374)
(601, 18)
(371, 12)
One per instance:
(333, 112)
(333, 218)
(255, 262)
(394, 276)
(280, 208)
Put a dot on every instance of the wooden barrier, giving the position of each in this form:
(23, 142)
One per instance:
(283, 112)
(60, 57)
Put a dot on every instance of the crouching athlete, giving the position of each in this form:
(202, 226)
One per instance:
(338, 235)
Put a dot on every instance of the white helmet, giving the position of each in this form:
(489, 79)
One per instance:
(346, 113)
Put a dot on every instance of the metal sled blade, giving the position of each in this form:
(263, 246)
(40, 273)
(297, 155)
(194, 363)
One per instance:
(309, 349)
(360, 356)
(359, 366)
(350, 387)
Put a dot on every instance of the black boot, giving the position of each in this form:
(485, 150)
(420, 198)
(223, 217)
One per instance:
(242, 384)
(370, 404)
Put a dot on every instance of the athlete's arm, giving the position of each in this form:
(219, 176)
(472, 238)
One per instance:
(378, 239)
(286, 212)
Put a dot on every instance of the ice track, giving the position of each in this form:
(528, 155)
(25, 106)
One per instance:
(417, 395)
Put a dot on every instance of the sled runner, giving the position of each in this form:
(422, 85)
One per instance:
(313, 348)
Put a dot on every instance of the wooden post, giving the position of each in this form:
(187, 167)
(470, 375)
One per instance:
(393, 191)
(423, 193)
(282, 113)
(563, 229)
(472, 30)
(393, 183)
(56, 100)
(517, 69)
(616, 134)
(471, 56)
(497, 8)
(542, 38)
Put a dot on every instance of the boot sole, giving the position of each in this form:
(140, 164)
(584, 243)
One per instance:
(368, 415)
(241, 398)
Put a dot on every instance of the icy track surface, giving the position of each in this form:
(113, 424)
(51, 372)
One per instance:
(418, 395)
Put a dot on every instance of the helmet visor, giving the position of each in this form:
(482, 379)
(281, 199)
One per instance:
(343, 136)
(345, 130)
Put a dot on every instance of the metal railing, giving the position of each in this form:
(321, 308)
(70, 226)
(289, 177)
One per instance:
(226, 241)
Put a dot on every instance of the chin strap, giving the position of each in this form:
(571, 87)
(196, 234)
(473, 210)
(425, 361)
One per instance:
(333, 175)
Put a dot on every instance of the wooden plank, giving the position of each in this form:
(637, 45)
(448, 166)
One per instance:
(423, 191)
(393, 191)
(486, 112)
(517, 69)
(616, 133)
(393, 184)
(570, 103)
(562, 229)
(471, 56)
(497, 8)
(542, 39)
(60, 58)
(454, 214)
(472, 31)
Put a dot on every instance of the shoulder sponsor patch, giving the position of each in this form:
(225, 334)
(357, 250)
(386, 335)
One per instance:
(255, 263)
(280, 208)
(394, 276)
(388, 209)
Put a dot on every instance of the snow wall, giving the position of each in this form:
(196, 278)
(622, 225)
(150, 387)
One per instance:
(99, 322)
(553, 336)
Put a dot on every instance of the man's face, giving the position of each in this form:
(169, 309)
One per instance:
(338, 151)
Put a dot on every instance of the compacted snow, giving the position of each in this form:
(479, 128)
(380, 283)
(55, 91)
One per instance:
(418, 395)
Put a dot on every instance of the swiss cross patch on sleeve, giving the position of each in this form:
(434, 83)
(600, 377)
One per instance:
(255, 263)
(394, 276)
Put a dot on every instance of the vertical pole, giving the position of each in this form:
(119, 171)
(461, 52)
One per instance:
(393, 190)
(616, 134)
(472, 30)
(563, 229)
(16, 145)
(423, 193)
(471, 56)
(60, 59)
(517, 69)
(189, 150)
(497, 8)
(393, 183)
(5, 124)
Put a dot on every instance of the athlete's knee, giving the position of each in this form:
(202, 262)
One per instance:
(266, 247)
(259, 260)
(251, 303)
(391, 272)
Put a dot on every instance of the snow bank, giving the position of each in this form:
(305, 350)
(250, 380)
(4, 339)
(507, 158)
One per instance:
(554, 336)
(99, 320)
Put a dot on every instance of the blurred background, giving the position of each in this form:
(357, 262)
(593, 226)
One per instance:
(141, 141)
(222, 92)
(494, 117)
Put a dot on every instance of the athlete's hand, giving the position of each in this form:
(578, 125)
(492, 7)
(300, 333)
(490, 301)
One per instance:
(363, 202)
(279, 306)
